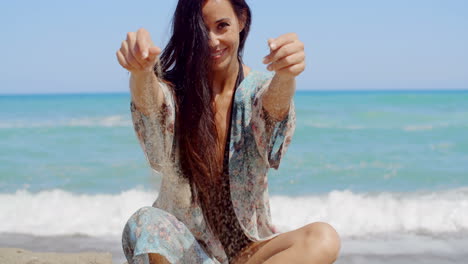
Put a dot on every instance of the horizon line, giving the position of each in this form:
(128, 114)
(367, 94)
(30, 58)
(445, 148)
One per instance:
(297, 91)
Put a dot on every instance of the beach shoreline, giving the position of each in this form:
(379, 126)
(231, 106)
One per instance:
(16, 248)
(22, 256)
(20, 248)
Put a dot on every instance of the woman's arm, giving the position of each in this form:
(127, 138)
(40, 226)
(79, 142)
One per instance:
(138, 55)
(146, 93)
(277, 98)
(287, 59)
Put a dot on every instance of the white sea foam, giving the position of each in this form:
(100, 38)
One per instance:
(418, 127)
(333, 126)
(57, 212)
(103, 121)
(354, 215)
(407, 127)
(107, 121)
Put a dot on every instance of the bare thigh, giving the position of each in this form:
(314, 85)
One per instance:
(258, 252)
(157, 259)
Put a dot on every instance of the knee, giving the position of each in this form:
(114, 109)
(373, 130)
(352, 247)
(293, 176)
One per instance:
(137, 222)
(134, 223)
(142, 224)
(322, 237)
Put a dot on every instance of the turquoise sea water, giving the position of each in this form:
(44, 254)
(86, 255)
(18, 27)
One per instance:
(384, 168)
(358, 141)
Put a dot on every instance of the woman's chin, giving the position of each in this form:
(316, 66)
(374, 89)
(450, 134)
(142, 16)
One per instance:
(221, 65)
(218, 67)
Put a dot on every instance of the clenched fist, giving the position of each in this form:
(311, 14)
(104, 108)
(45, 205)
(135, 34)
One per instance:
(287, 56)
(138, 54)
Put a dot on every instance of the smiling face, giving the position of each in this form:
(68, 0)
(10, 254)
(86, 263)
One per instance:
(223, 27)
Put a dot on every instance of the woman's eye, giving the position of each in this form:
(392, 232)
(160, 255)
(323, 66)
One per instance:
(222, 25)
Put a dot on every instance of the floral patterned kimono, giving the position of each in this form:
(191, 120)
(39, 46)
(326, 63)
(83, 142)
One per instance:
(174, 226)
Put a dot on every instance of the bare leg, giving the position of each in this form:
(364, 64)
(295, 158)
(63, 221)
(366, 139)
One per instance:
(316, 243)
(157, 259)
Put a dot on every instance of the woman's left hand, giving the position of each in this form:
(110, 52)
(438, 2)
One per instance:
(287, 56)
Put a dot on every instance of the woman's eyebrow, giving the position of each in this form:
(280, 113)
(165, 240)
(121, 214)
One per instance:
(224, 18)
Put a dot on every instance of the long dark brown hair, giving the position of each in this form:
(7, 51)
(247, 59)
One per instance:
(186, 64)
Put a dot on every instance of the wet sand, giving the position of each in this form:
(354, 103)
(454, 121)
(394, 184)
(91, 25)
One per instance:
(21, 256)
(69, 249)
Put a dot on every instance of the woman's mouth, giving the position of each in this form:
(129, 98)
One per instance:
(217, 54)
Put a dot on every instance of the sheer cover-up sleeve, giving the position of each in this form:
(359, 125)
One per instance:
(155, 131)
(272, 137)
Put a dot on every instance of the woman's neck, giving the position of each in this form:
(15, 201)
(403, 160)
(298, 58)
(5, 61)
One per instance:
(224, 81)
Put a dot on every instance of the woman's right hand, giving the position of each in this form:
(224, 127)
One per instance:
(138, 54)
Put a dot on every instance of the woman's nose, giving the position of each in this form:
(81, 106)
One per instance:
(214, 41)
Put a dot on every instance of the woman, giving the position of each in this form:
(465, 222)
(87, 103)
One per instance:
(213, 127)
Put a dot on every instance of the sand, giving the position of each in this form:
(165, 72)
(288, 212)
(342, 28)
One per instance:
(21, 256)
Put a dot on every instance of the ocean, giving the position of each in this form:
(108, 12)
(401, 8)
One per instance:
(387, 169)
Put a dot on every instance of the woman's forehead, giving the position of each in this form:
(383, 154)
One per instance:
(216, 10)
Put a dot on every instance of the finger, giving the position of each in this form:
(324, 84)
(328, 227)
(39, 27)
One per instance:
(284, 51)
(133, 52)
(121, 59)
(290, 60)
(150, 61)
(293, 70)
(129, 56)
(143, 42)
(281, 40)
(153, 53)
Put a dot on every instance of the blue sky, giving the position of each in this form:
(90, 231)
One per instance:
(69, 46)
